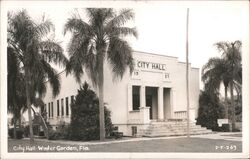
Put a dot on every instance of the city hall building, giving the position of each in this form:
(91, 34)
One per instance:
(154, 92)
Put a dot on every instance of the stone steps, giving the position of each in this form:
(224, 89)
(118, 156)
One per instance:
(172, 128)
(175, 134)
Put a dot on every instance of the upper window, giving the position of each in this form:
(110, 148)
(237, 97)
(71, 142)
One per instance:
(62, 107)
(49, 109)
(58, 108)
(67, 106)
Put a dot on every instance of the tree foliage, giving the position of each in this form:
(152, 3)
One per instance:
(85, 116)
(97, 39)
(226, 69)
(210, 109)
(26, 43)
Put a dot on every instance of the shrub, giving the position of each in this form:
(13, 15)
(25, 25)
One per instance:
(36, 131)
(19, 133)
(54, 134)
(62, 132)
(85, 116)
(26, 131)
(210, 109)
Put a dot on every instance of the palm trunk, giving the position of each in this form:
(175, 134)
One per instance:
(14, 117)
(232, 106)
(101, 95)
(14, 127)
(20, 120)
(101, 115)
(226, 104)
(27, 89)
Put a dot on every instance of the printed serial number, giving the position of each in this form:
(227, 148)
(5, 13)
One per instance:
(228, 147)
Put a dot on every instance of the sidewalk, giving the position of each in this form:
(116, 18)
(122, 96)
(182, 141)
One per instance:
(229, 136)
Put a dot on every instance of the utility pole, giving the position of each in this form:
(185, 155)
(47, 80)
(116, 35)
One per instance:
(187, 74)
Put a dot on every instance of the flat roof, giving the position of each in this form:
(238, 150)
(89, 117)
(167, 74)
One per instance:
(154, 54)
(164, 56)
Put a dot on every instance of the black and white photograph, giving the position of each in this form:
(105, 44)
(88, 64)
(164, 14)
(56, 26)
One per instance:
(124, 79)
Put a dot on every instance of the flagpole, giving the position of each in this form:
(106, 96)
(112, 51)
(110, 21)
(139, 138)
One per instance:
(187, 74)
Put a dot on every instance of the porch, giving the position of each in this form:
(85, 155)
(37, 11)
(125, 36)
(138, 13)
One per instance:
(152, 103)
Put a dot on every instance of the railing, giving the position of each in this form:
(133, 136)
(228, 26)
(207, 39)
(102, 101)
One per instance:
(180, 114)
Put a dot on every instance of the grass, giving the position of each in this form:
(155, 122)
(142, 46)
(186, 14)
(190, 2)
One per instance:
(156, 145)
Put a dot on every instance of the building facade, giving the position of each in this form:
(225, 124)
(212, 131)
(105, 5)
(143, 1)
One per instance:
(155, 91)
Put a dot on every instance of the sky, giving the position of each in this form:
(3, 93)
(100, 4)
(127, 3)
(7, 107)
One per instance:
(161, 25)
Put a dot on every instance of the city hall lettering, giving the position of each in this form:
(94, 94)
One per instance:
(151, 65)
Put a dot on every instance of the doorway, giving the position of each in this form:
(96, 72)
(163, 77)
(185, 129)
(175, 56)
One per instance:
(149, 104)
(152, 101)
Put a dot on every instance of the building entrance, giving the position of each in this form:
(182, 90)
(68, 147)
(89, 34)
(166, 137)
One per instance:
(152, 101)
(149, 104)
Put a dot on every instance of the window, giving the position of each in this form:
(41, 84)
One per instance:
(52, 109)
(136, 97)
(134, 130)
(67, 106)
(62, 109)
(45, 107)
(49, 109)
(58, 108)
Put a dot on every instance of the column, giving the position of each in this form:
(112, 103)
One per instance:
(130, 108)
(59, 107)
(172, 102)
(142, 96)
(160, 103)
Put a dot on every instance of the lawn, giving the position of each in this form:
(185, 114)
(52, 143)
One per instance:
(156, 145)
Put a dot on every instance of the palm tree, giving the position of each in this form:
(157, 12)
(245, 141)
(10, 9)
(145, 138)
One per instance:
(100, 38)
(231, 52)
(227, 69)
(25, 39)
(215, 72)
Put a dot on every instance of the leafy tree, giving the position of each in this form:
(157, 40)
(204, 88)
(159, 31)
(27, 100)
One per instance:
(25, 40)
(16, 98)
(210, 109)
(85, 116)
(96, 40)
(231, 52)
(215, 72)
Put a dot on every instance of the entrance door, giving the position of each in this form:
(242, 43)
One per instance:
(149, 103)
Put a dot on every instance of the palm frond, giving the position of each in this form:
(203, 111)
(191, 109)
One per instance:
(123, 31)
(77, 25)
(119, 20)
(120, 56)
(43, 28)
(52, 51)
(75, 65)
(53, 77)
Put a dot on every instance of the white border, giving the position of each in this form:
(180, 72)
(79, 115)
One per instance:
(5, 5)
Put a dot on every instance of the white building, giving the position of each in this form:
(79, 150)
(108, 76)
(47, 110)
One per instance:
(155, 91)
